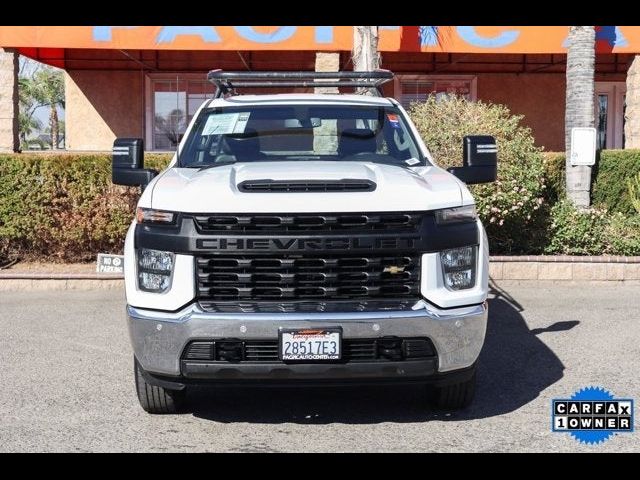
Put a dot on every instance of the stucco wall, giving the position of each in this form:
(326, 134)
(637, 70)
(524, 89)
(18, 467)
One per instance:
(539, 97)
(102, 105)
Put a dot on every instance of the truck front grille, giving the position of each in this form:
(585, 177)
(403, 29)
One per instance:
(308, 277)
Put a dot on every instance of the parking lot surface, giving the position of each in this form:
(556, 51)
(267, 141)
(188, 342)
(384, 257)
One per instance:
(67, 383)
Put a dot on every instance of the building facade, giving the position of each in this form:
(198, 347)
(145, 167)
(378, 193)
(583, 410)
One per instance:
(148, 81)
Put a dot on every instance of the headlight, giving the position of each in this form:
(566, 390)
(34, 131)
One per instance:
(459, 267)
(148, 215)
(455, 215)
(154, 270)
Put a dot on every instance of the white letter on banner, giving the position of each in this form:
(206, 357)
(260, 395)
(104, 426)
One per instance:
(470, 35)
(103, 34)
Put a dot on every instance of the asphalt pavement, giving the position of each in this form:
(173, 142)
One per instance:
(67, 383)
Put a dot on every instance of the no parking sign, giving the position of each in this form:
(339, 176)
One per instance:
(108, 263)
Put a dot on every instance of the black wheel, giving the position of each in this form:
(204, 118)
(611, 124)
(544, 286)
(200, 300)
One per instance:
(455, 396)
(155, 399)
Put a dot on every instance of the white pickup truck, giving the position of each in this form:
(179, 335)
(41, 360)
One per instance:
(305, 238)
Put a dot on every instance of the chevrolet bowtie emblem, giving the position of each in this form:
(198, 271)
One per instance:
(393, 269)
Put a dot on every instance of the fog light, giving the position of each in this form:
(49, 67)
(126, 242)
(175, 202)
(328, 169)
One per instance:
(154, 282)
(155, 268)
(459, 267)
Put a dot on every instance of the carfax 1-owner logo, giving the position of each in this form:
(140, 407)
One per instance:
(592, 415)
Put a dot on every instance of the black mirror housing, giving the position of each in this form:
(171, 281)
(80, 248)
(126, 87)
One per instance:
(128, 163)
(480, 160)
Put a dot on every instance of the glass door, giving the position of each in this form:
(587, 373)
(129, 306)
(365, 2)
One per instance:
(609, 114)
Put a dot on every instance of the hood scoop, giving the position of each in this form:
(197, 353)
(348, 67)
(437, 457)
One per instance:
(277, 186)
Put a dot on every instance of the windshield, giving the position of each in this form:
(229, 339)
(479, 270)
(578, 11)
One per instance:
(300, 132)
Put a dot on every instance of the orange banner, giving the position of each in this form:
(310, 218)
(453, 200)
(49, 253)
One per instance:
(453, 39)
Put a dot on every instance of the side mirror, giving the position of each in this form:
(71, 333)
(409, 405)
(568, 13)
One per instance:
(128, 162)
(480, 160)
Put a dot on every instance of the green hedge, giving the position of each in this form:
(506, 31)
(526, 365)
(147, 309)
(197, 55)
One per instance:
(63, 207)
(613, 169)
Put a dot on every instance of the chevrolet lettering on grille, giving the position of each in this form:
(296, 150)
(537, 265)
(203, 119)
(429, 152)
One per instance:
(290, 244)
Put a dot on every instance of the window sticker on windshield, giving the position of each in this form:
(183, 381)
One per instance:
(241, 123)
(393, 120)
(226, 123)
(412, 161)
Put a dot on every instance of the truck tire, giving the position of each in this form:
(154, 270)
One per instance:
(455, 396)
(157, 400)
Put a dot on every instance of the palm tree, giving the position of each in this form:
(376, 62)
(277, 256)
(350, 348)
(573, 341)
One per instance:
(579, 110)
(632, 109)
(48, 90)
(27, 123)
(365, 49)
(61, 128)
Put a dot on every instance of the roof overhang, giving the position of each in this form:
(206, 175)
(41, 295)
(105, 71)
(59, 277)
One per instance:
(49, 43)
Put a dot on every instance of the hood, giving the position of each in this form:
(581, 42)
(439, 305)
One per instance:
(216, 189)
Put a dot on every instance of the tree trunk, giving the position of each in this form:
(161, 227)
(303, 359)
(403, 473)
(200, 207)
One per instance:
(580, 106)
(365, 51)
(53, 123)
(632, 110)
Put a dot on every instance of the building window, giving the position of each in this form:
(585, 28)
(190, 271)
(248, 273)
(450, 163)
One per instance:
(416, 88)
(173, 100)
(601, 121)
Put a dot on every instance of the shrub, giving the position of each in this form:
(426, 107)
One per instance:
(513, 209)
(614, 169)
(576, 232)
(554, 172)
(159, 161)
(63, 206)
(592, 232)
(633, 189)
(623, 234)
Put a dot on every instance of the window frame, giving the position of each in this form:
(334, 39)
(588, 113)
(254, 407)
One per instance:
(397, 83)
(149, 104)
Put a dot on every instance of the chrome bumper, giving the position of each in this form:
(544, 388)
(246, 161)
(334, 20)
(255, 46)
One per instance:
(158, 338)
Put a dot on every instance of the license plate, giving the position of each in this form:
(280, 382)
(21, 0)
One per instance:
(317, 344)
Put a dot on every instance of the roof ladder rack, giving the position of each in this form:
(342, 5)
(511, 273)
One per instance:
(227, 82)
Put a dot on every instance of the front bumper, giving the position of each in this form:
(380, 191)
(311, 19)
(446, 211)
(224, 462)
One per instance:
(159, 338)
